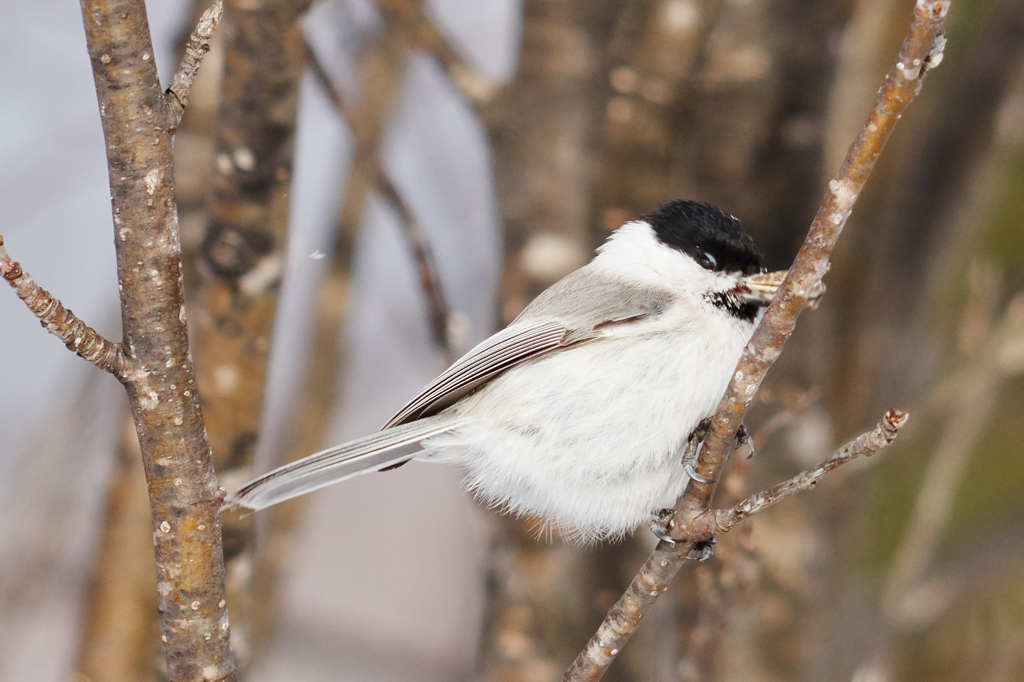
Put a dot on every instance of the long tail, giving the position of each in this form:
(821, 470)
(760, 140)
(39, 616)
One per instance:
(364, 455)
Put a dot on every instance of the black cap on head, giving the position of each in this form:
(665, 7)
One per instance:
(711, 237)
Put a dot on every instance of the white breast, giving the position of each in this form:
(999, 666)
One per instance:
(590, 438)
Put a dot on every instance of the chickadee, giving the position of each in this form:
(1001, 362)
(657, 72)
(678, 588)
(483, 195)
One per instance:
(578, 412)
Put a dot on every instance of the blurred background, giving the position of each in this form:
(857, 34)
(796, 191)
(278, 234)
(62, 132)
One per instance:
(366, 189)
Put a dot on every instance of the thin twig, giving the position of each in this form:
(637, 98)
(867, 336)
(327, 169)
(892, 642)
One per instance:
(922, 50)
(79, 337)
(195, 49)
(426, 264)
(334, 94)
(716, 521)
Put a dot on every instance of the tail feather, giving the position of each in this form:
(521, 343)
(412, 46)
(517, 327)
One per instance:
(377, 451)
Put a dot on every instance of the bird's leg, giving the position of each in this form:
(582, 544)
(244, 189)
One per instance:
(661, 521)
(700, 431)
(695, 440)
(661, 526)
(702, 551)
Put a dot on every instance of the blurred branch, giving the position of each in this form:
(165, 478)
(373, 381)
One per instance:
(369, 173)
(79, 337)
(922, 50)
(47, 526)
(656, 56)
(183, 491)
(242, 258)
(977, 395)
(934, 201)
(543, 129)
(422, 32)
(118, 634)
(976, 398)
(426, 266)
(706, 633)
(195, 49)
(983, 566)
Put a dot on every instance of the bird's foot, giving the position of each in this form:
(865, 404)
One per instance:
(743, 438)
(661, 524)
(695, 441)
(702, 551)
(701, 430)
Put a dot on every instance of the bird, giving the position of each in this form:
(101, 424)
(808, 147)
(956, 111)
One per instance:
(579, 412)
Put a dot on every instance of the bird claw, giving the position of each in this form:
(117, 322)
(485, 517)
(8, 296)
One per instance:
(702, 551)
(661, 525)
(743, 437)
(701, 430)
(695, 441)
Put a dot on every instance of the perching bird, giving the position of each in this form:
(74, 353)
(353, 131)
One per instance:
(578, 412)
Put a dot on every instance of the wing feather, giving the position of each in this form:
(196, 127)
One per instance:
(376, 452)
(578, 308)
(505, 349)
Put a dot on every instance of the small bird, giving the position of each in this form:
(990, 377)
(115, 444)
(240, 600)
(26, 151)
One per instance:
(579, 411)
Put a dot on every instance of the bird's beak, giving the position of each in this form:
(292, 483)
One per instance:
(760, 289)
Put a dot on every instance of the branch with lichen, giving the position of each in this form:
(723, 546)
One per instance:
(78, 336)
(921, 51)
(195, 49)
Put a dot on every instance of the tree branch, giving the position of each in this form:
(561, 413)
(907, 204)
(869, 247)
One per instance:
(426, 265)
(715, 521)
(195, 49)
(922, 50)
(79, 337)
(161, 386)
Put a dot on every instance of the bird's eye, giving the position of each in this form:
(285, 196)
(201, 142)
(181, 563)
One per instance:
(707, 261)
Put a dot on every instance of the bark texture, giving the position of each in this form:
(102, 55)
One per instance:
(183, 491)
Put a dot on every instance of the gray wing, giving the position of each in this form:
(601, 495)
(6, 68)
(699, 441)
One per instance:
(576, 309)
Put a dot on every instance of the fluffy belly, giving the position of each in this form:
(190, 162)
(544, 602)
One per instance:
(594, 456)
